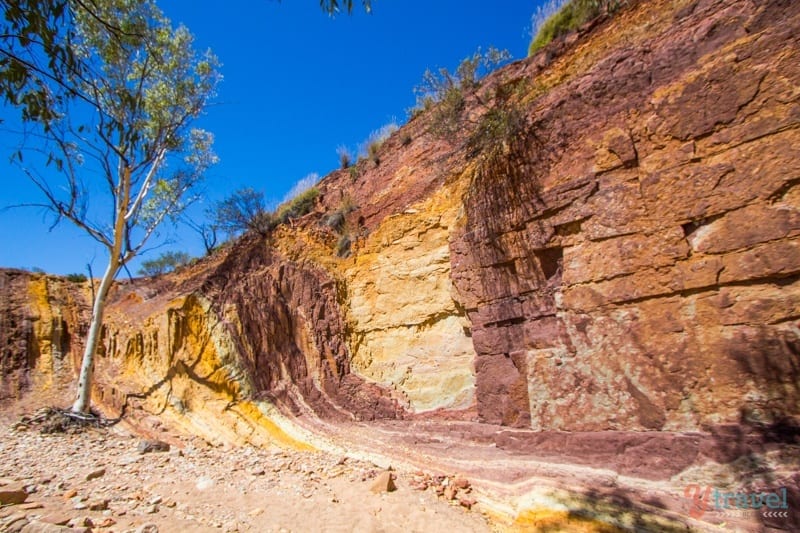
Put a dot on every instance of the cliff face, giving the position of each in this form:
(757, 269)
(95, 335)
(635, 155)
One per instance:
(641, 269)
(631, 262)
(632, 265)
(42, 325)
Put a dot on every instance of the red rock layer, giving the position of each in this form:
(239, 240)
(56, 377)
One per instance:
(290, 334)
(639, 266)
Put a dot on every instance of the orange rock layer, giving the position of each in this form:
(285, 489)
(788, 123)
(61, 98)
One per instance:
(629, 263)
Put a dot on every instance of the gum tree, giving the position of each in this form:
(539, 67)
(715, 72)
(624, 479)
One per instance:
(120, 138)
(334, 6)
(110, 89)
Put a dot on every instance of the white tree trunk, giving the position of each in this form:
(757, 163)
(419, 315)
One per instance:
(84, 396)
(122, 199)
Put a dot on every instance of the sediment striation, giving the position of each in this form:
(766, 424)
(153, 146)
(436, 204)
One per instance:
(617, 288)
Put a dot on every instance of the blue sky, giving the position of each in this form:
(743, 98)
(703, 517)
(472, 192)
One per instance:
(297, 84)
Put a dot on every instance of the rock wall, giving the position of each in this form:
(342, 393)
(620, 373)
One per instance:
(42, 325)
(631, 263)
(640, 271)
(407, 331)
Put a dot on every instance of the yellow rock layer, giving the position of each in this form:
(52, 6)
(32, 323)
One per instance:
(187, 370)
(407, 332)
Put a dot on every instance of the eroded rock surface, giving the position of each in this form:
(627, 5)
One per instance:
(640, 270)
(609, 299)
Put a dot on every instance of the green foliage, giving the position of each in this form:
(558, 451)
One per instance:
(502, 123)
(76, 278)
(559, 17)
(333, 6)
(443, 93)
(164, 263)
(243, 210)
(111, 92)
(446, 114)
(300, 205)
(124, 117)
(35, 53)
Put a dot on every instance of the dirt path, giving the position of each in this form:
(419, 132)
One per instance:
(99, 479)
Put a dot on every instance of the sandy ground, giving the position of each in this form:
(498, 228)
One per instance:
(198, 487)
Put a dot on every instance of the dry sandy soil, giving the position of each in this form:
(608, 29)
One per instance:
(98, 479)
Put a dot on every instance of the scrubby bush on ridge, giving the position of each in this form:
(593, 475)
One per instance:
(369, 148)
(559, 17)
(243, 210)
(164, 263)
(345, 157)
(443, 93)
(300, 205)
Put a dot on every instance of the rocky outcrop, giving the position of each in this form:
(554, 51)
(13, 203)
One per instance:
(640, 271)
(616, 287)
(629, 263)
(42, 324)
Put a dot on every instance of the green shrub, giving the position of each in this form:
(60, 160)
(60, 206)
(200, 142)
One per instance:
(166, 262)
(557, 18)
(445, 116)
(76, 278)
(443, 92)
(300, 205)
(496, 128)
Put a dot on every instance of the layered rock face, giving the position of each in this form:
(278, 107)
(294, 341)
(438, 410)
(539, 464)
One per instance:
(640, 269)
(629, 262)
(42, 324)
(617, 283)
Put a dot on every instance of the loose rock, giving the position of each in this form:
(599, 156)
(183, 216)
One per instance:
(467, 502)
(94, 474)
(56, 519)
(384, 483)
(36, 526)
(13, 494)
(98, 505)
(150, 446)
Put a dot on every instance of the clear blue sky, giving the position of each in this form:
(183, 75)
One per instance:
(297, 84)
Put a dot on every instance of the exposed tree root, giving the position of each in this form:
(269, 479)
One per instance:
(57, 420)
